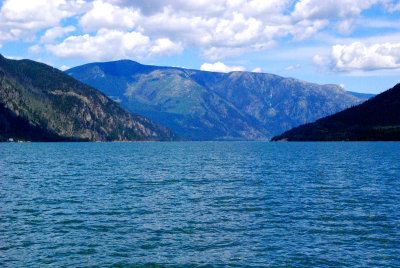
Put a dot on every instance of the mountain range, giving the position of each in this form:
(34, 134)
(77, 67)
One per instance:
(377, 119)
(201, 105)
(41, 103)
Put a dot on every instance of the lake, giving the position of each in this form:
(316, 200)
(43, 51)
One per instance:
(196, 204)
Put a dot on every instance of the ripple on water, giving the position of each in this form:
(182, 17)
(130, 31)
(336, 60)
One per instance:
(193, 204)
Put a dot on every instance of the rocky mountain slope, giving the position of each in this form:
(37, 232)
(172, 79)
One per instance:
(40, 103)
(377, 119)
(203, 105)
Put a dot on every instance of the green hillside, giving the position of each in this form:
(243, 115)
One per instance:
(203, 105)
(377, 119)
(40, 103)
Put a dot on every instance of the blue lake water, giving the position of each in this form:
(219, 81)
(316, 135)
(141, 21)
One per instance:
(190, 204)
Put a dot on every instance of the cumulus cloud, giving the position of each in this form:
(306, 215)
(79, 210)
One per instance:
(13, 57)
(164, 46)
(112, 45)
(217, 37)
(217, 28)
(345, 27)
(106, 15)
(220, 67)
(207, 8)
(52, 34)
(257, 70)
(35, 49)
(358, 56)
(293, 67)
(20, 19)
(39, 13)
(320, 61)
(331, 9)
(307, 28)
(392, 7)
(218, 53)
(64, 67)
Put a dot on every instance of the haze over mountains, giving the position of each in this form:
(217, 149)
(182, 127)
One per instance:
(41, 103)
(202, 105)
(363, 96)
(377, 119)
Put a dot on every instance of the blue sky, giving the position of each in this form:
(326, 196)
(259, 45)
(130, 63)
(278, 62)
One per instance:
(353, 43)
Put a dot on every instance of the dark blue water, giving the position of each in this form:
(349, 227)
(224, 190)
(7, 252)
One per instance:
(194, 204)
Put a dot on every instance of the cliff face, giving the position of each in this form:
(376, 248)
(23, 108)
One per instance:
(203, 105)
(377, 119)
(41, 103)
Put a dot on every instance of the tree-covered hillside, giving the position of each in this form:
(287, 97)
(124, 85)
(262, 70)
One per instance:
(41, 103)
(203, 105)
(377, 119)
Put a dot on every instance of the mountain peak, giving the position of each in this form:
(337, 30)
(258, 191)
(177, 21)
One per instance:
(41, 103)
(202, 105)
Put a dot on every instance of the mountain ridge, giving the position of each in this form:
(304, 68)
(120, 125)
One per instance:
(202, 105)
(377, 119)
(52, 106)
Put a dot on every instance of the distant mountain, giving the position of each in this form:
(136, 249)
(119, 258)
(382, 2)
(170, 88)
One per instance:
(40, 103)
(203, 105)
(377, 119)
(363, 96)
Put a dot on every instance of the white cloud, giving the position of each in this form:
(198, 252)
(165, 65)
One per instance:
(217, 28)
(51, 34)
(320, 61)
(13, 57)
(392, 7)
(165, 46)
(151, 7)
(217, 53)
(257, 70)
(190, 29)
(306, 28)
(345, 27)
(20, 19)
(207, 8)
(37, 14)
(331, 9)
(293, 67)
(35, 49)
(64, 67)
(112, 45)
(105, 45)
(358, 56)
(262, 7)
(237, 31)
(106, 15)
(220, 67)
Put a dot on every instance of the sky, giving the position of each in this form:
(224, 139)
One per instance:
(352, 43)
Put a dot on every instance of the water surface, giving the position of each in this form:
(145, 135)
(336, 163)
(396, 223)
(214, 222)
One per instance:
(221, 204)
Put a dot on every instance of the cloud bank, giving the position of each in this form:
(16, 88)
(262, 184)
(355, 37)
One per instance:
(358, 56)
(220, 67)
(219, 29)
